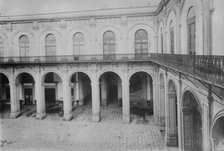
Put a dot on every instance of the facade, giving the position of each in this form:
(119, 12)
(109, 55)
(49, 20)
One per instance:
(168, 55)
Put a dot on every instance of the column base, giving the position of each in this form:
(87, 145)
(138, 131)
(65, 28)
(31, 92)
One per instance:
(96, 118)
(15, 114)
(126, 119)
(171, 140)
(67, 117)
(41, 116)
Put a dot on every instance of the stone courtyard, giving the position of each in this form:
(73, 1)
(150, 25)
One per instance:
(80, 134)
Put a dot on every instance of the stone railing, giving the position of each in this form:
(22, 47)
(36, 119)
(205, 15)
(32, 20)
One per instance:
(207, 68)
(74, 59)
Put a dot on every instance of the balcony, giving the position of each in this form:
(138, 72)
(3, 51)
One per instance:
(209, 69)
(73, 59)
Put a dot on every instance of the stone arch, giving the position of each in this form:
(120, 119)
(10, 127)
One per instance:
(52, 90)
(171, 18)
(17, 74)
(69, 39)
(162, 103)
(151, 36)
(118, 73)
(15, 40)
(217, 132)
(192, 121)
(141, 92)
(188, 89)
(84, 72)
(59, 42)
(80, 87)
(5, 44)
(99, 38)
(135, 71)
(25, 89)
(6, 74)
(43, 75)
(110, 83)
(197, 5)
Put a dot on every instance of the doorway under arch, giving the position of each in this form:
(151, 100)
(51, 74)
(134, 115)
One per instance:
(141, 96)
(110, 96)
(218, 134)
(53, 94)
(192, 123)
(25, 94)
(81, 96)
(4, 96)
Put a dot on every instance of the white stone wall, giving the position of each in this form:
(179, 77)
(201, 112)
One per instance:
(217, 27)
(92, 29)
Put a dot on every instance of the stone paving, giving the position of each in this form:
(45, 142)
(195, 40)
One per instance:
(80, 134)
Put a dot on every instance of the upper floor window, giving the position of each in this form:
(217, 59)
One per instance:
(141, 42)
(109, 44)
(50, 45)
(191, 31)
(172, 37)
(24, 46)
(78, 43)
(1, 47)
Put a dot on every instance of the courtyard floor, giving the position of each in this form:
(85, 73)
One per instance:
(80, 134)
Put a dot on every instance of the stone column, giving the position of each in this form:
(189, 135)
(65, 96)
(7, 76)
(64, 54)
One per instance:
(166, 104)
(155, 102)
(119, 89)
(171, 135)
(125, 101)
(162, 105)
(148, 88)
(95, 101)
(77, 88)
(67, 104)
(75, 95)
(144, 87)
(15, 106)
(81, 95)
(205, 129)
(104, 91)
(39, 97)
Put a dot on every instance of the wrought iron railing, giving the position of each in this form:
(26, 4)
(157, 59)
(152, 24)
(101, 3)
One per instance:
(74, 59)
(207, 68)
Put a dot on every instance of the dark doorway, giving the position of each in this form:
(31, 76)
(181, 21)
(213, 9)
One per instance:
(50, 96)
(28, 94)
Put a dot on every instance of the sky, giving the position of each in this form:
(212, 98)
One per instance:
(23, 7)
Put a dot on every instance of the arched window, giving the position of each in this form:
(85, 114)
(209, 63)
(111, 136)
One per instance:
(78, 43)
(50, 45)
(109, 45)
(172, 38)
(1, 47)
(141, 43)
(191, 31)
(24, 47)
